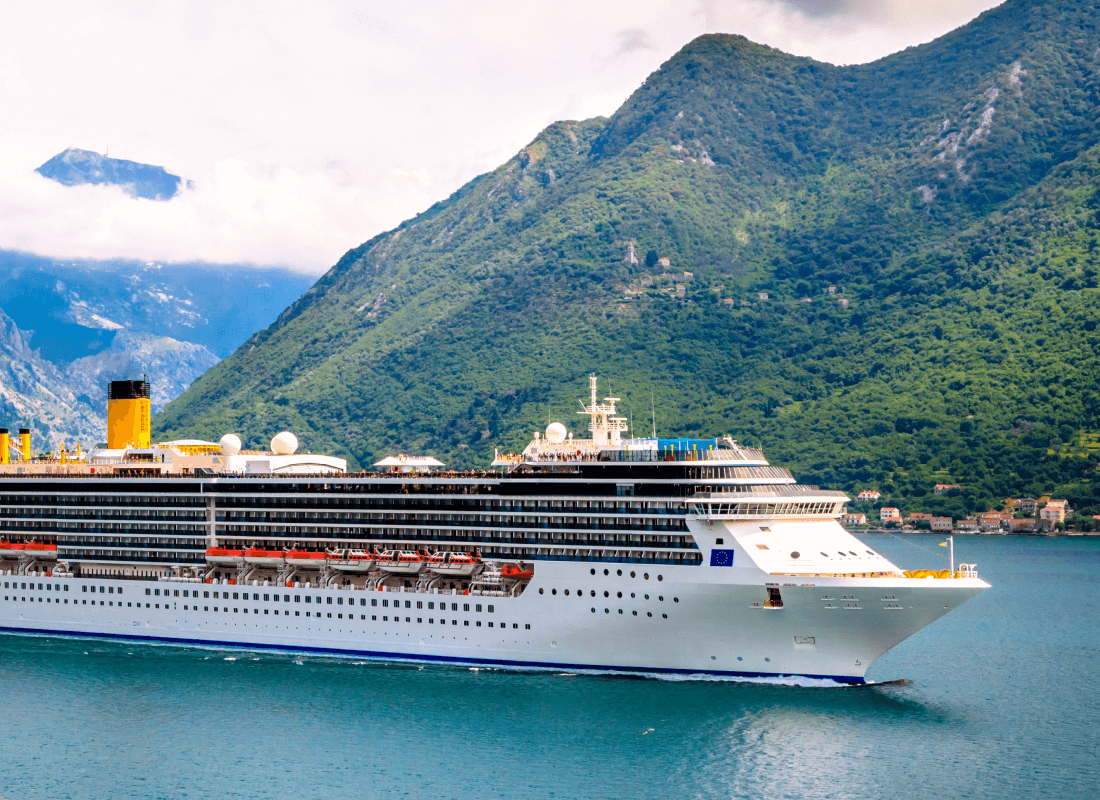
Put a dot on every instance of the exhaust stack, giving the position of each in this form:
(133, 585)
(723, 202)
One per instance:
(128, 414)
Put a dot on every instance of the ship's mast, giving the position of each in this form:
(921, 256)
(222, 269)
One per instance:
(606, 427)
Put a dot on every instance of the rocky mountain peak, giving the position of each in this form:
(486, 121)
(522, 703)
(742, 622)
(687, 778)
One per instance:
(76, 167)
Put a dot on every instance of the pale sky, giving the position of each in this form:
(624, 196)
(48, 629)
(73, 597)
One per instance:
(309, 127)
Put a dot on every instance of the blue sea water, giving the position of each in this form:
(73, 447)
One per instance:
(1000, 703)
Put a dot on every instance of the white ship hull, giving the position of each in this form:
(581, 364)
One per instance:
(704, 625)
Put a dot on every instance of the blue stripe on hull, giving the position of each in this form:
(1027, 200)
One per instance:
(443, 659)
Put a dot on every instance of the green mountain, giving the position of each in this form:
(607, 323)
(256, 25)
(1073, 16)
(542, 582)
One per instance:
(924, 227)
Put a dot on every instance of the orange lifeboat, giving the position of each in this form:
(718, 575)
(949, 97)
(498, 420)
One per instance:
(47, 552)
(305, 558)
(11, 549)
(515, 572)
(264, 558)
(457, 564)
(224, 555)
(402, 562)
(352, 560)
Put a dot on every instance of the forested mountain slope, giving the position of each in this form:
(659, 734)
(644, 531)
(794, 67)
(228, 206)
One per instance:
(946, 194)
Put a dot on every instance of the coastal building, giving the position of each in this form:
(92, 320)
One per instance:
(941, 523)
(1025, 525)
(917, 516)
(853, 519)
(1054, 512)
(888, 512)
(967, 524)
(1026, 505)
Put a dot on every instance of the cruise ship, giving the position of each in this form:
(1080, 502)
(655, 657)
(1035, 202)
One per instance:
(606, 553)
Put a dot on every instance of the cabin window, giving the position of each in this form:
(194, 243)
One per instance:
(339, 601)
(465, 606)
(431, 605)
(156, 592)
(490, 609)
(147, 591)
(308, 599)
(374, 602)
(330, 600)
(420, 604)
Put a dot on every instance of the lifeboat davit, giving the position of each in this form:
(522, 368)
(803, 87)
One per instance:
(516, 572)
(352, 560)
(224, 555)
(47, 552)
(402, 562)
(11, 549)
(459, 564)
(264, 558)
(305, 558)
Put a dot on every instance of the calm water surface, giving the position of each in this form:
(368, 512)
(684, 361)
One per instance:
(1000, 704)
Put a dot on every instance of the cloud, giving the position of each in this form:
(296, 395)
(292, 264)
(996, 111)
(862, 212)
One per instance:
(308, 128)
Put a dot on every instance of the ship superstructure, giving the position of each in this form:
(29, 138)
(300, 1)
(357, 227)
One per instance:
(607, 553)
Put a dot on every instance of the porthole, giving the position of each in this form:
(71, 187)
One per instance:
(645, 575)
(593, 570)
(870, 552)
(553, 591)
(675, 599)
(661, 597)
(632, 595)
(541, 590)
(620, 611)
(593, 611)
(605, 572)
(660, 577)
(647, 597)
(618, 594)
(632, 574)
(607, 611)
(795, 554)
(619, 572)
(853, 552)
(606, 593)
(649, 613)
(824, 554)
(664, 616)
(635, 613)
(593, 592)
(740, 659)
(566, 592)
(767, 659)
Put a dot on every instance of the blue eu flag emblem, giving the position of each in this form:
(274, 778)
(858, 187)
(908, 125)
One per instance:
(721, 558)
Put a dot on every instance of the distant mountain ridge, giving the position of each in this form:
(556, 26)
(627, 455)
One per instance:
(71, 327)
(75, 167)
(895, 276)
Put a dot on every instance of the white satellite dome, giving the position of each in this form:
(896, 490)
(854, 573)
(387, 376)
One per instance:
(230, 444)
(284, 444)
(555, 433)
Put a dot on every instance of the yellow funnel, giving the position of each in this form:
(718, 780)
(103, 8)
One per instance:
(5, 453)
(128, 414)
(25, 443)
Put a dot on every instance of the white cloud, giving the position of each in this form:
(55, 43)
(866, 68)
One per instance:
(307, 128)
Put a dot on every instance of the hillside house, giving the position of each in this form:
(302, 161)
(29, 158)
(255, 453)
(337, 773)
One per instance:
(1054, 512)
(1026, 505)
(761, 295)
(916, 516)
(832, 290)
(842, 302)
(868, 494)
(664, 263)
(853, 519)
(944, 488)
(889, 513)
(727, 301)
